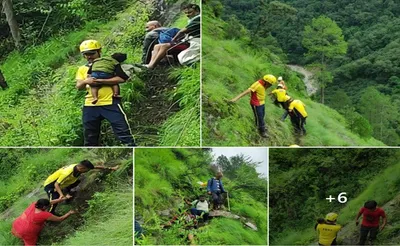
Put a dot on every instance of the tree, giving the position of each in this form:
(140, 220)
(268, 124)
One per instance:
(324, 40)
(379, 110)
(12, 22)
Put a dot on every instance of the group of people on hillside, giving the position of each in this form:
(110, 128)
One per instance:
(200, 207)
(101, 76)
(294, 108)
(60, 186)
(328, 229)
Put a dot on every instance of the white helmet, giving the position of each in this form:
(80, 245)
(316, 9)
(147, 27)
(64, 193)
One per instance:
(280, 78)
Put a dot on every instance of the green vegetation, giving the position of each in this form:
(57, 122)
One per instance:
(371, 61)
(301, 179)
(43, 108)
(164, 177)
(104, 201)
(231, 65)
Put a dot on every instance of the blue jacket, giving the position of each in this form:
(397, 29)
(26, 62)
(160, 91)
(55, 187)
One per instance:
(212, 185)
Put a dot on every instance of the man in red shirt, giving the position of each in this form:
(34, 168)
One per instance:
(370, 221)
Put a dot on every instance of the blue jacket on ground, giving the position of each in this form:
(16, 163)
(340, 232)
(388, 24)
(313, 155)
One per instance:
(212, 185)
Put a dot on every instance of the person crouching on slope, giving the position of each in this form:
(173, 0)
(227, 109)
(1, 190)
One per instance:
(257, 100)
(298, 115)
(327, 232)
(66, 178)
(31, 222)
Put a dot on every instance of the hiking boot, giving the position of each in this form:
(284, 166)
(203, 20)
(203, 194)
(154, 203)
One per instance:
(263, 134)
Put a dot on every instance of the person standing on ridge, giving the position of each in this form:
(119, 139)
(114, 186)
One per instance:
(328, 230)
(106, 107)
(216, 188)
(370, 221)
(257, 100)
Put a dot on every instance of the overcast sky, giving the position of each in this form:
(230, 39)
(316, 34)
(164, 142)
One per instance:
(256, 154)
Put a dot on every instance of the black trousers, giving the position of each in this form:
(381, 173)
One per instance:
(53, 194)
(217, 198)
(298, 122)
(94, 115)
(373, 232)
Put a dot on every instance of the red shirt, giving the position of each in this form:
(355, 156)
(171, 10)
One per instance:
(29, 224)
(371, 218)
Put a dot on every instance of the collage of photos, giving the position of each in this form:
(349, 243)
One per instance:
(200, 122)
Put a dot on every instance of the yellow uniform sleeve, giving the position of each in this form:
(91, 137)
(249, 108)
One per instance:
(255, 86)
(291, 106)
(81, 74)
(274, 91)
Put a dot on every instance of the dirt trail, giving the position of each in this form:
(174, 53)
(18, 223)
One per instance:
(308, 81)
(149, 115)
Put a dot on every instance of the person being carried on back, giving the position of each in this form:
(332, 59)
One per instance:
(216, 188)
(104, 68)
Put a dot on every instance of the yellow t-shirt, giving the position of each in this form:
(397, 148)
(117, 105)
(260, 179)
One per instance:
(280, 95)
(327, 233)
(299, 106)
(257, 93)
(105, 92)
(64, 176)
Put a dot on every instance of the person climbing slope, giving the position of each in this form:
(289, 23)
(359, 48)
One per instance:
(370, 221)
(298, 115)
(63, 180)
(257, 100)
(327, 232)
(215, 187)
(281, 97)
(31, 222)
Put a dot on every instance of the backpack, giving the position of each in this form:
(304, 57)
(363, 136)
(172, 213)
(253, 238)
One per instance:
(166, 36)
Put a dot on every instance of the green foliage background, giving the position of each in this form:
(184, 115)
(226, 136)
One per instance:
(43, 108)
(104, 218)
(164, 177)
(231, 63)
(301, 179)
(371, 30)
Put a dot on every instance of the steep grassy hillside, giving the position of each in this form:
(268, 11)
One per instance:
(302, 179)
(104, 200)
(43, 108)
(164, 177)
(230, 66)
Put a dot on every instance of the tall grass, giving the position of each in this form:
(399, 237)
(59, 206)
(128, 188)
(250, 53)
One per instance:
(163, 177)
(230, 66)
(105, 219)
(383, 188)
